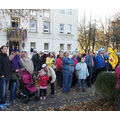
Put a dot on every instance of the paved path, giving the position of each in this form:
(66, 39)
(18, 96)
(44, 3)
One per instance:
(60, 100)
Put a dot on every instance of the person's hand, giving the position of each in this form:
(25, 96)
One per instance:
(106, 61)
(16, 70)
(2, 76)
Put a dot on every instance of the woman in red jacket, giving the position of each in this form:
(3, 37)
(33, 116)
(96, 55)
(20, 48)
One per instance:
(59, 70)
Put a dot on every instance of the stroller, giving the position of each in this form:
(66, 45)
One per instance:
(27, 87)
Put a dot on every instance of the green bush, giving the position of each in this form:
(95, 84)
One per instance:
(106, 84)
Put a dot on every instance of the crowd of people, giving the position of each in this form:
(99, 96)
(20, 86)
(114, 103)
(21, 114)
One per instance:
(61, 71)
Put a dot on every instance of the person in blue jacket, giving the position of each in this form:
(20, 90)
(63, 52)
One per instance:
(100, 63)
(106, 57)
(68, 69)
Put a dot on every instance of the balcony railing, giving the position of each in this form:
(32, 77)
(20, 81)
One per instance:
(16, 34)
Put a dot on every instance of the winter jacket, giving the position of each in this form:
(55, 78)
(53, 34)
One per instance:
(99, 61)
(49, 62)
(117, 72)
(51, 73)
(4, 65)
(37, 61)
(82, 70)
(43, 78)
(59, 64)
(15, 65)
(68, 64)
(88, 61)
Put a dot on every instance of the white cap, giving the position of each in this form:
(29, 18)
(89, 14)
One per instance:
(44, 65)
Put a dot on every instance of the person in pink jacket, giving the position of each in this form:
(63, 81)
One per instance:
(117, 72)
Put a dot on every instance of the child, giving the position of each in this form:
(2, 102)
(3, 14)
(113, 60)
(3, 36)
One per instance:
(82, 73)
(43, 78)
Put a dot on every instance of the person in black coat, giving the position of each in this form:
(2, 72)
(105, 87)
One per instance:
(4, 76)
(38, 60)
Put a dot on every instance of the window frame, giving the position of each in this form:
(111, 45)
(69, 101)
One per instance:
(31, 46)
(60, 46)
(69, 11)
(61, 11)
(31, 30)
(62, 31)
(48, 27)
(48, 47)
(70, 47)
(46, 12)
(70, 30)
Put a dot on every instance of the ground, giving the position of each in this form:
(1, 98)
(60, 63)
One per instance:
(71, 101)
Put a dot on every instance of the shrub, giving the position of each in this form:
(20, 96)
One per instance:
(106, 84)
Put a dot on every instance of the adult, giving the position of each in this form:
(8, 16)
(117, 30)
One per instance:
(117, 72)
(27, 70)
(36, 62)
(68, 69)
(74, 81)
(100, 63)
(50, 60)
(15, 75)
(4, 76)
(106, 57)
(52, 75)
(90, 64)
(59, 70)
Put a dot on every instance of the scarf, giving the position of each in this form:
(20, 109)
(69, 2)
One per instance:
(27, 65)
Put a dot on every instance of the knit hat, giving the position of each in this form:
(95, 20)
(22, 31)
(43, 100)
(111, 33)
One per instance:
(101, 49)
(44, 65)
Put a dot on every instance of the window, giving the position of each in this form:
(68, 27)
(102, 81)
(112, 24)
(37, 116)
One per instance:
(61, 46)
(69, 11)
(61, 28)
(46, 27)
(62, 11)
(33, 13)
(68, 47)
(46, 14)
(32, 46)
(33, 25)
(46, 46)
(14, 22)
(69, 31)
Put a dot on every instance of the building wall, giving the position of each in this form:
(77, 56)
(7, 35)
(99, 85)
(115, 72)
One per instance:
(55, 38)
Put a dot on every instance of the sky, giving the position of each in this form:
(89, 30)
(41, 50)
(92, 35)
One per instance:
(98, 8)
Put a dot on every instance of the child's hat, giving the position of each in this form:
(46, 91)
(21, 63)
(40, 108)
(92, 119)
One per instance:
(44, 65)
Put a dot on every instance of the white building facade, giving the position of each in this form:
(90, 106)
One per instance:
(49, 30)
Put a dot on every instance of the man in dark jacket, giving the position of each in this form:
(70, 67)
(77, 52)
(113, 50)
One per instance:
(4, 76)
(90, 63)
(38, 60)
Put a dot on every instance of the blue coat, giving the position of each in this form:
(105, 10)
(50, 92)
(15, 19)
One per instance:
(66, 64)
(88, 61)
(99, 61)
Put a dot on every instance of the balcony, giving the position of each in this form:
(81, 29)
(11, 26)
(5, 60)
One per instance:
(16, 34)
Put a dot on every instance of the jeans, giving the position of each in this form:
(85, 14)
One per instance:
(43, 92)
(13, 90)
(59, 79)
(3, 89)
(90, 79)
(79, 83)
(67, 81)
(52, 89)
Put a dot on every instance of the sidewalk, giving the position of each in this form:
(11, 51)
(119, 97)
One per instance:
(60, 100)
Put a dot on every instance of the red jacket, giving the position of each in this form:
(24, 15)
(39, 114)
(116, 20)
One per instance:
(43, 80)
(59, 63)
